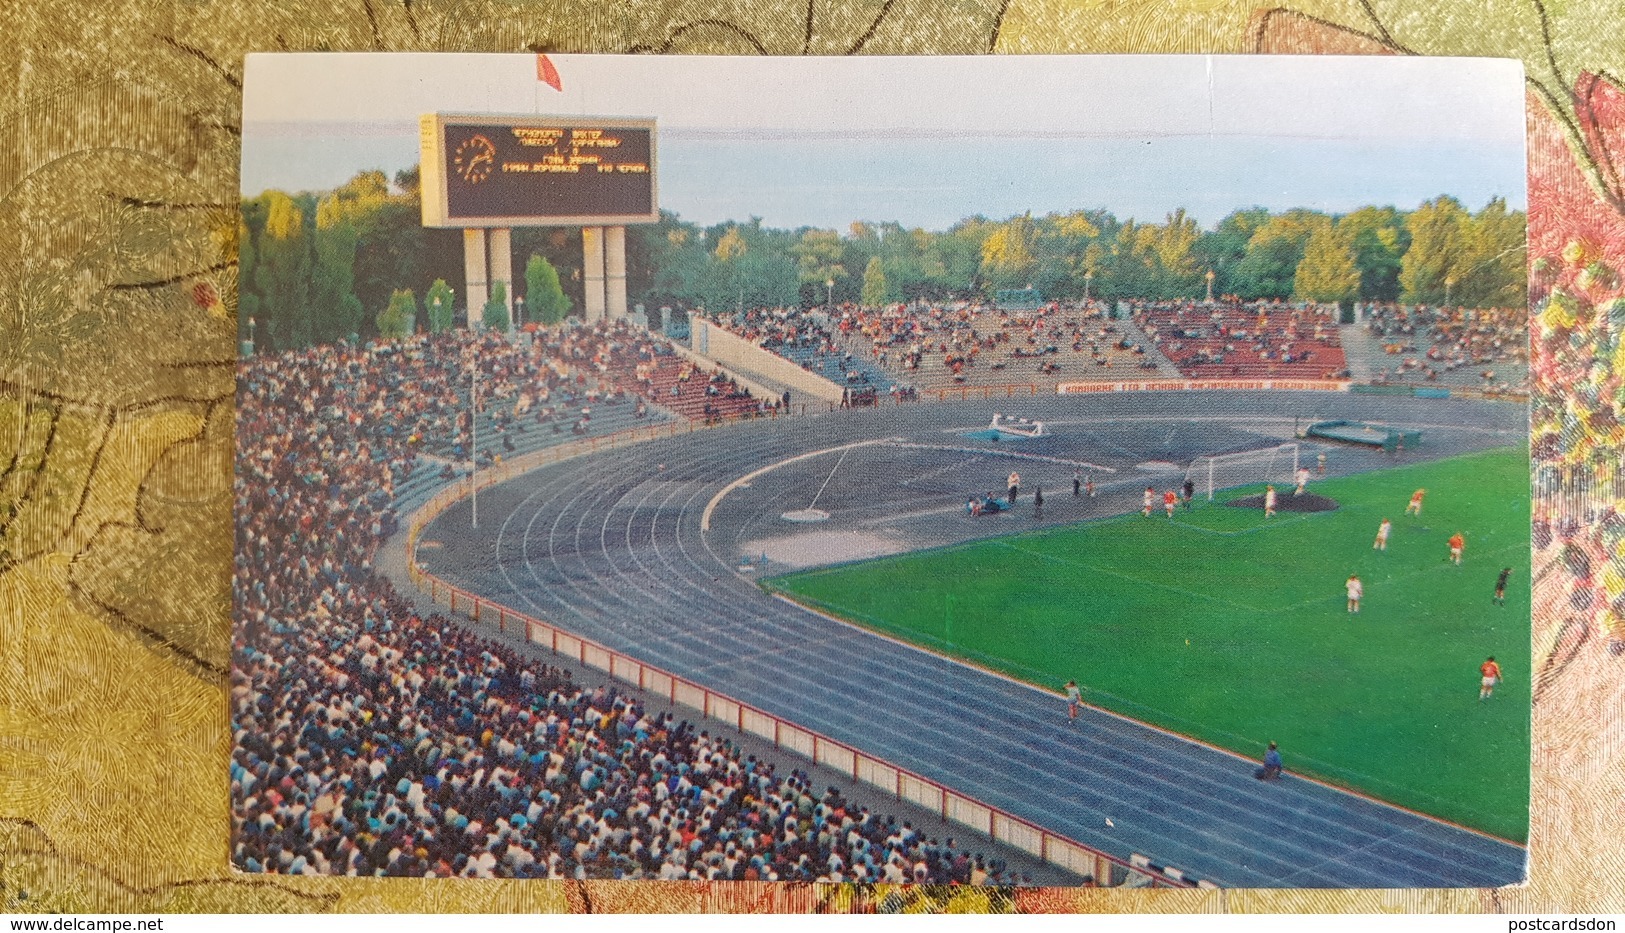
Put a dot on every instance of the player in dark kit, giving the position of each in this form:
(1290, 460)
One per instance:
(1187, 491)
(1501, 586)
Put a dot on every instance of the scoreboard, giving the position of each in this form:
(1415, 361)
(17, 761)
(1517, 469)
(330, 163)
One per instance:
(491, 170)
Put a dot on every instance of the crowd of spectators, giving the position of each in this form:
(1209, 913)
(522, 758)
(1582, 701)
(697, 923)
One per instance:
(972, 343)
(652, 369)
(1485, 347)
(945, 344)
(371, 739)
(960, 343)
(417, 391)
(1233, 339)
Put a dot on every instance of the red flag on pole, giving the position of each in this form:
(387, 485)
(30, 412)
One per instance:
(547, 74)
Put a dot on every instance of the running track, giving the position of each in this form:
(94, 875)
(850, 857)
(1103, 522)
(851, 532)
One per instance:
(610, 546)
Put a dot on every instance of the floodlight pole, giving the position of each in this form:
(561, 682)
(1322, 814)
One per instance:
(474, 435)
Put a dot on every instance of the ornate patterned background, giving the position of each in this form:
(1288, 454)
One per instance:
(118, 228)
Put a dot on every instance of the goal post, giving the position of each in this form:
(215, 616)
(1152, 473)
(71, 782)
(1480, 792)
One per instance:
(1277, 465)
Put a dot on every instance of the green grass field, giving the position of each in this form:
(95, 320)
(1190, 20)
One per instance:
(1233, 629)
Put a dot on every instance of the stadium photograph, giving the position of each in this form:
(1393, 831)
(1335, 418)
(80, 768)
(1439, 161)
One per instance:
(947, 472)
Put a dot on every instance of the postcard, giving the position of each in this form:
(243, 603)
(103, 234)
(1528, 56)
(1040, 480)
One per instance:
(1027, 470)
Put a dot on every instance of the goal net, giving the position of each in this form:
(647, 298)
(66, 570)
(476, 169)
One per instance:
(1212, 472)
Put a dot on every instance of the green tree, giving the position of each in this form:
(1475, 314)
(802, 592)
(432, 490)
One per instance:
(958, 253)
(495, 313)
(1438, 239)
(681, 269)
(1059, 247)
(1225, 247)
(731, 245)
(1008, 260)
(543, 295)
(1327, 271)
(929, 276)
(1379, 240)
(767, 278)
(723, 285)
(1128, 266)
(904, 260)
(283, 274)
(749, 267)
(818, 256)
(1491, 272)
(337, 312)
(874, 283)
(441, 305)
(410, 181)
(1271, 264)
(663, 261)
(1178, 267)
(399, 317)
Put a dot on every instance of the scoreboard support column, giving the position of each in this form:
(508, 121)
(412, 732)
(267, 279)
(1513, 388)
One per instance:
(592, 272)
(502, 266)
(615, 273)
(474, 273)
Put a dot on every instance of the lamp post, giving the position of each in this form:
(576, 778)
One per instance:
(474, 436)
(1449, 283)
(829, 295)
(1209, 278)
(1088, 277)
(519, 311)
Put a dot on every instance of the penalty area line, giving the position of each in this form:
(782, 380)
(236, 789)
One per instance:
(1266, 525)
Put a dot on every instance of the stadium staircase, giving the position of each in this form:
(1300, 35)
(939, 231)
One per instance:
(1362, 353)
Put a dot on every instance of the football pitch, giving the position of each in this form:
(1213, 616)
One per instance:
(1232, 629)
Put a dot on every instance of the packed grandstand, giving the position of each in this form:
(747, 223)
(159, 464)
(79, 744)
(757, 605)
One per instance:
(372, 737)
(902, 349)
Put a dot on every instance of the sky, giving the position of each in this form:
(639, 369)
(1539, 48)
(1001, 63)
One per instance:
(929, 141)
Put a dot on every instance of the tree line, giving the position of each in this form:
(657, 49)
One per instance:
(317, 267)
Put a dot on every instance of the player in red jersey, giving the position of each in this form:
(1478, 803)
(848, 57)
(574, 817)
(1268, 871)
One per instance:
(1415, 508)
(1490, 672)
